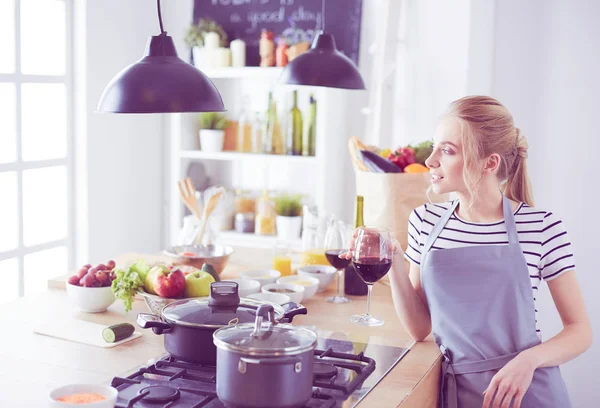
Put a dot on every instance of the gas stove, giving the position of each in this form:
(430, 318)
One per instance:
(341, 379)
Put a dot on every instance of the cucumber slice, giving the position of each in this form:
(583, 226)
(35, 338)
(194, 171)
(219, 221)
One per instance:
(117, 332)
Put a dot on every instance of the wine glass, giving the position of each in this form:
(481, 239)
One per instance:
(372, 259)
(336, 243)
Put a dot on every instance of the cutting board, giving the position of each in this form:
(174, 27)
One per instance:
(79, 331)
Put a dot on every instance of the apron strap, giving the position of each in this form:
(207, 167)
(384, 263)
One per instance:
(438, 227)
(448, 389)
(509, 221)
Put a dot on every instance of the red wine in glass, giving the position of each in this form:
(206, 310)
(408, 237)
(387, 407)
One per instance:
(371, 269)
(332, 256)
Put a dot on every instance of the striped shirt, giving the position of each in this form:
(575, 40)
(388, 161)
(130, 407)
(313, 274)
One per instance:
(542, 237)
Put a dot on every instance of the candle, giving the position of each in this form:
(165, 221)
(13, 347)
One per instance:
(212, 40)
(238, 53)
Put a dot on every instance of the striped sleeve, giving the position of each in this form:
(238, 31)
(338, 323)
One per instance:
(557, 253)
(413, 249)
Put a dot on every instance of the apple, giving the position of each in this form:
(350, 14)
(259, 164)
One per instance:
(197, 284)
(149, 281)
(169, 285)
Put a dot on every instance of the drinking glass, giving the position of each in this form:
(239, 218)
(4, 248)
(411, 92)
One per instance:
(336, 243)
(372, 259)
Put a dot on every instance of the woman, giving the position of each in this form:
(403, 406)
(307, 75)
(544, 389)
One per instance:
(476, 263)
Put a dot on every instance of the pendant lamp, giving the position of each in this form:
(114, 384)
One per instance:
(160, 82)
(323, 65)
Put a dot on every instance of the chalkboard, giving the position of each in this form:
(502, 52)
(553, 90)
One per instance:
(245, 19)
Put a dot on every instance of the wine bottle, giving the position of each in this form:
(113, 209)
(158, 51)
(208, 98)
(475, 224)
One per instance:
(353, 284)
(311, 134)
(277, 142)
(294, 133)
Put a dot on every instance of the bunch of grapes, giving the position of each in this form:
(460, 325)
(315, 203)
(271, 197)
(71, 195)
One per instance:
(94, 276)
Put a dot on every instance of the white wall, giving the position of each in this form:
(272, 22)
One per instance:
(119, 155)
(546, 72)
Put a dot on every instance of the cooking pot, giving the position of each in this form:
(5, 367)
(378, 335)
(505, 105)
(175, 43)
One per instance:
(188, 324)
(264, 365)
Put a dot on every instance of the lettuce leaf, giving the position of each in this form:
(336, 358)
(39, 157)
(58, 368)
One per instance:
(128, 281)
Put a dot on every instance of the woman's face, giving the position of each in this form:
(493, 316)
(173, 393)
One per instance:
(446, 161)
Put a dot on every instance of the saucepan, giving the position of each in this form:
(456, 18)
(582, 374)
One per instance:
(188, 324)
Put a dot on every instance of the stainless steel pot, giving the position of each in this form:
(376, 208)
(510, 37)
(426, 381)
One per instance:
(264, 365)
(188, 324)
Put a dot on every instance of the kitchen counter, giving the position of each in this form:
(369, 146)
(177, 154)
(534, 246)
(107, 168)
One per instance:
(32, 364)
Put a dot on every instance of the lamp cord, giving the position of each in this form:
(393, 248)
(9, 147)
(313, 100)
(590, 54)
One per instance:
(323, 15)
(162, 31)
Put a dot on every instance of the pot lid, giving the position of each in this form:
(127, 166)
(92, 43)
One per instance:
(265, 338)
(223, 307)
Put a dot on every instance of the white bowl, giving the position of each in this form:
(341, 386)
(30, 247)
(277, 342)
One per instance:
(324, 273)
(246, 286)
(296, 294)
(278, 298)
(106, 391)
(91, 300)
(263, 276)
(310, 284)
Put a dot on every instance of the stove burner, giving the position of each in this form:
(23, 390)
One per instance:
(159, 393)
(324, 370)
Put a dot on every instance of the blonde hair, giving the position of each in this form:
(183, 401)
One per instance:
(487, 127)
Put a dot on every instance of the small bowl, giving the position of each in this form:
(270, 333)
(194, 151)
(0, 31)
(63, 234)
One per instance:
(277, 298)
(216, 255)
(106, 391)
(324, 273)
(263, 276)
(296, 294)
(310, 284)
(91, 300)
(246, 286)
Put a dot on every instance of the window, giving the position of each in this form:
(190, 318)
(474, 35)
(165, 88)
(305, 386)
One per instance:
(36, 203)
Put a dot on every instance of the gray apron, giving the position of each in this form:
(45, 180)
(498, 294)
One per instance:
(482, 316)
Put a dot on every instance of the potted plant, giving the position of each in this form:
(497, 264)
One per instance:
(289, 216)
(212, 131)
(194, 38)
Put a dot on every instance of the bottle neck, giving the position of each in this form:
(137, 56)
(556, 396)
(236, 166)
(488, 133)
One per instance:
(359, 222)
(295, 98)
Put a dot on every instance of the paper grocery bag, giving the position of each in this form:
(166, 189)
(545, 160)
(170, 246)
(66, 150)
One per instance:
(389, 198)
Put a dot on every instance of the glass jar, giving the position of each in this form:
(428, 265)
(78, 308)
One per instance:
(244, 222)
(265, 215)
(282, 260)
(314, 226)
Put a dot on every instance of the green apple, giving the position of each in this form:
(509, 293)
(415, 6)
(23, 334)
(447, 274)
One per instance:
(148, 283)
(197, 284)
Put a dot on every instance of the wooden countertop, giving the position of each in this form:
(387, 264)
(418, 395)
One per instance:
(33, 364)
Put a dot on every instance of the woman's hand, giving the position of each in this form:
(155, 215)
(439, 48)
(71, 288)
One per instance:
(397, 249)
(511, 382)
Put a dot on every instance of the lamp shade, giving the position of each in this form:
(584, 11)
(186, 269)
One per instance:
(323, 65)
(160, 82)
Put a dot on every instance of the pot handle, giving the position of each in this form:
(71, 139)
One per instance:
(295, 361)
(291, 309)
(147, 320)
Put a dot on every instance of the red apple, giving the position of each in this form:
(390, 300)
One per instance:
(169, 285)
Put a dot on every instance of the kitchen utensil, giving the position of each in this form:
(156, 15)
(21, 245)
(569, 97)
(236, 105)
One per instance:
(109, 393)
(324, 273)
(216, 255)
(295, 292)
(277, 298)
(188, 195)
(90, 300)
(79, 331)
(188, 324)
(264, 365)
(208, 209)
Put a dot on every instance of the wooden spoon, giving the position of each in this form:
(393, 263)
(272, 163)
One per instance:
(187, 190)
(208, 209)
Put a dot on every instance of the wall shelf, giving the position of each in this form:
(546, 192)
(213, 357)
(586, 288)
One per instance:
(244, 72)
(234, 156)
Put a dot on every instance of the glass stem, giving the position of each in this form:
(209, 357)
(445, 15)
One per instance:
(370, 287)
(339, 278)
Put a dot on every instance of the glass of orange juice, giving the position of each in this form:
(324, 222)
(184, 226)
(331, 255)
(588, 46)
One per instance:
(282, 261)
